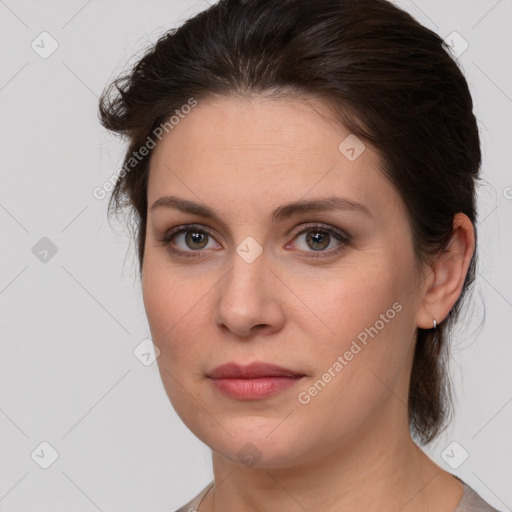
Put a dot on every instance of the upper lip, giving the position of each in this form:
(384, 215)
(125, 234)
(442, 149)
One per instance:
(251, 371)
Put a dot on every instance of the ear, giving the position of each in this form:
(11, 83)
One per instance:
(447, 274)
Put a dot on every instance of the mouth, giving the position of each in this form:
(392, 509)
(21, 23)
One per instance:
(253, 382)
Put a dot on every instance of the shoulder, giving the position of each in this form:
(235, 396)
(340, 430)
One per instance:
(193, 504)
(472, 502)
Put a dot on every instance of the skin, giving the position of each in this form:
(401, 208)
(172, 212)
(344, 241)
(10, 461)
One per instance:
(350, 446)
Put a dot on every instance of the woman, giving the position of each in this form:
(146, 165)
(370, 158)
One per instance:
(302, 176)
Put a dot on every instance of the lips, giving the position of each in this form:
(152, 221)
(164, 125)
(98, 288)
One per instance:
(252, 382)
(251, 371)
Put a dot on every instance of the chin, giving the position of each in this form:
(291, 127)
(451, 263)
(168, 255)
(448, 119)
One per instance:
(256, 442)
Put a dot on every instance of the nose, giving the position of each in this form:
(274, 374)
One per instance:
(249, 300)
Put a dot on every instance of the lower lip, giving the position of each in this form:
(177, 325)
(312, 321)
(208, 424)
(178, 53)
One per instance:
(254, 389)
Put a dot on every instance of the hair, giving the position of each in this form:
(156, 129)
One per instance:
(389, 80)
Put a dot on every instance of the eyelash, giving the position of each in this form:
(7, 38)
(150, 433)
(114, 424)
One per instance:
(341, 237)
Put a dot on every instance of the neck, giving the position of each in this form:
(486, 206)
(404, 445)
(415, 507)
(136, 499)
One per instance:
(382, 469)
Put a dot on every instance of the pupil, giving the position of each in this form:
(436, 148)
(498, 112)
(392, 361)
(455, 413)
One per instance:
(196, 237)
(317, 239)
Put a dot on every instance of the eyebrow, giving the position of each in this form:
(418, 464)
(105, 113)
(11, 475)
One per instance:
(282, 212)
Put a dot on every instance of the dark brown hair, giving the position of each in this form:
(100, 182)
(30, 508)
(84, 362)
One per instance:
(391, 81)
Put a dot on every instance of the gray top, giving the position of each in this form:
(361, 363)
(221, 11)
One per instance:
(470, 501)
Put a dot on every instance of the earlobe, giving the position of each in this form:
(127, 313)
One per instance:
(448, 274)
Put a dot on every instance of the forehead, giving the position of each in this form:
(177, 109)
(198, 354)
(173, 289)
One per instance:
(285, 125)
(262, 148)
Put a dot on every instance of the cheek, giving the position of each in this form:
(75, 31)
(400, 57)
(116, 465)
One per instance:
(357, 374)
(177, 310)
(161, 304)
(167, 297)
(340, 304)
(172, 308)
(165, 303)
(362, 331)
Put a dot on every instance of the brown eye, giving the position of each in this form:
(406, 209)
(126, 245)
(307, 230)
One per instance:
(318, 240)
(196, 239)
(189, 241)
(323, 240)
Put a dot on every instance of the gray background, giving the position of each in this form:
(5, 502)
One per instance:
(70, 324)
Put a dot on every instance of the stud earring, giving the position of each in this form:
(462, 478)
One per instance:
(435, 323)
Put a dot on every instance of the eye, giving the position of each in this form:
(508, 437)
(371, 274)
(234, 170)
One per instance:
(318, 238)
(189, 240)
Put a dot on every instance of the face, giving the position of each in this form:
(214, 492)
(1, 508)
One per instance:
(326, 292)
